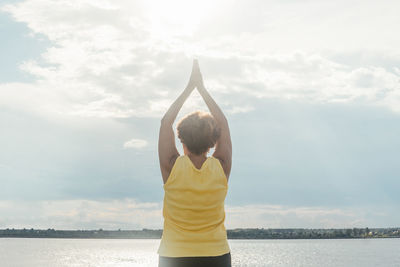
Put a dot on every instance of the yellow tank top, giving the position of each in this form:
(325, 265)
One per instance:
(194, 211)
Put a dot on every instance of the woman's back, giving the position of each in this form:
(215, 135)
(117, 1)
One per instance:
(194, 233)
(194, 210)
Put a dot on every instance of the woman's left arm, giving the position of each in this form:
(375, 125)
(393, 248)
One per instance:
(167, 151)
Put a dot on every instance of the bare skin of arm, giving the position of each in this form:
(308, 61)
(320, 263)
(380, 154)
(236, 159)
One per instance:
(167, 151)
(223, 149)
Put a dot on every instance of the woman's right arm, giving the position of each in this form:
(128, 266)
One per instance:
(223, 149)
(167, 151)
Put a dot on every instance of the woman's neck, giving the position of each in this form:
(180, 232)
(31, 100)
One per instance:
(197, 160)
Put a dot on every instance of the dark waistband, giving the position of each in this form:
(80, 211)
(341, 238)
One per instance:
(206, 261)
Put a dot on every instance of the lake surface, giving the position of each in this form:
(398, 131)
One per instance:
(142, 252)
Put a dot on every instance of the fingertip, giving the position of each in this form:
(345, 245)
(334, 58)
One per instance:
(196, 63)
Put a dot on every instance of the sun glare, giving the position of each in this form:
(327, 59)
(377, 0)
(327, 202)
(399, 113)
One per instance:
(177, 17)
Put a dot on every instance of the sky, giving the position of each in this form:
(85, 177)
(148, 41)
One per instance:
(311, 90)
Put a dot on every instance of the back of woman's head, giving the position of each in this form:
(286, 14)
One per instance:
(198, 131)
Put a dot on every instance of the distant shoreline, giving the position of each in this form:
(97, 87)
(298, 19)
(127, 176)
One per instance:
(241, 233)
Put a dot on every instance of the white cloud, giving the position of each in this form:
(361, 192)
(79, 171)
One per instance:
(240, 109)
(81, 214)
(135, 143)
(278, 216)
(131, 214)
(122, 59)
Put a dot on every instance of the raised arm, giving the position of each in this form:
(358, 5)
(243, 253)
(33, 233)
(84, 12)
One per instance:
(223, 149)
(167, 151)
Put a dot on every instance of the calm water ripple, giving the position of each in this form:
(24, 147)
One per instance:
(21, 252)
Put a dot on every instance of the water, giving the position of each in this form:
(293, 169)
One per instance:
(139, 252)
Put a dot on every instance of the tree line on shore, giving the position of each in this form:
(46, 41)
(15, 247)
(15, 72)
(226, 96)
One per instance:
(242, 233)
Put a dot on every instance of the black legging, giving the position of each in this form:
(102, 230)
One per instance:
(217, 261)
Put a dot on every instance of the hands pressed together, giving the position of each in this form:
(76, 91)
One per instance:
(166, 144)
(196, 79)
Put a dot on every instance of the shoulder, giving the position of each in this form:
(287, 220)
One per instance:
(219, 165)
(178, 163)
(225, 159)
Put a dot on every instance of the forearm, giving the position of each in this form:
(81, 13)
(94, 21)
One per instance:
(212, 105)
(223, 148)
(174, 109)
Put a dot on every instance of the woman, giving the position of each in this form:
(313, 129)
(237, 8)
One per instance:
(195, 185)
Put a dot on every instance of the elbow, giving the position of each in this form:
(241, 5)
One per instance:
(222, 121)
